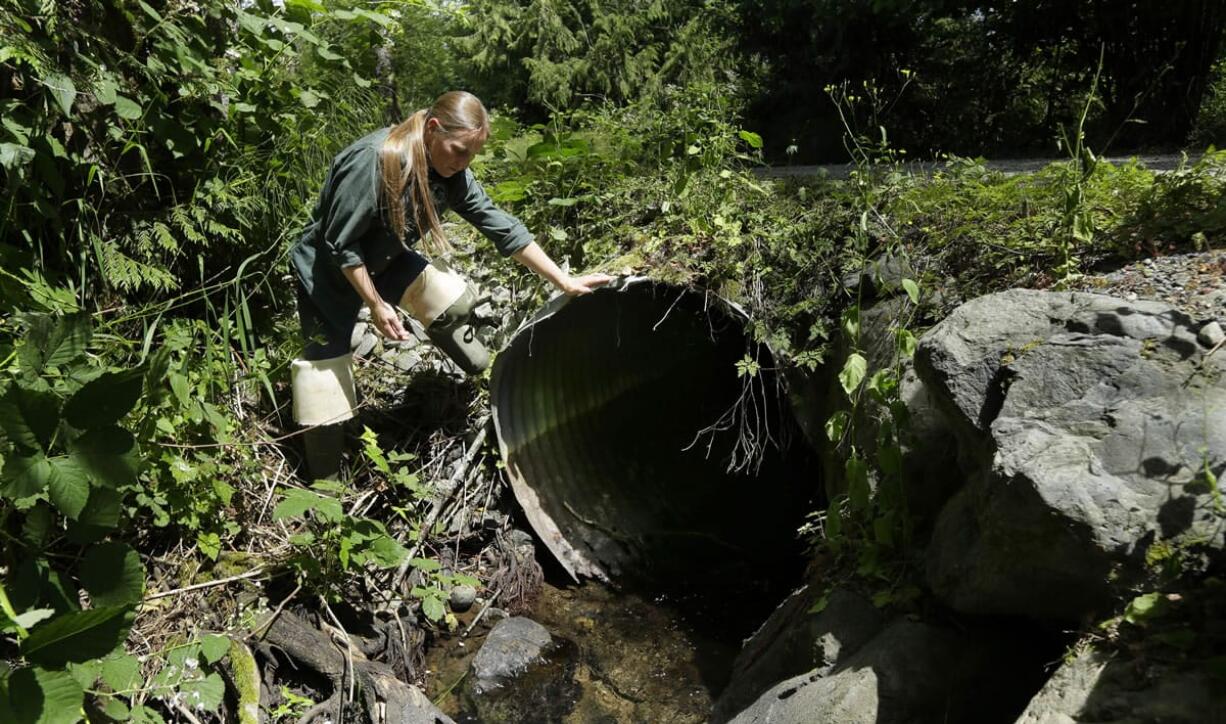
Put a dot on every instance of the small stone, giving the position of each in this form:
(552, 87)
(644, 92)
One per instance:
(366, 345)
(402, 344)
(1211, 335)
(406, 360)
(1131, 296)
(359, 331)
(485, 310)
(501, 295)
(462, 597)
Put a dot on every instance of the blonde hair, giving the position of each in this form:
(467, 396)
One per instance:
(404, 165)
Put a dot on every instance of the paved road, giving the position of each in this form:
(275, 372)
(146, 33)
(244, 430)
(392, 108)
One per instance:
(1162, 162)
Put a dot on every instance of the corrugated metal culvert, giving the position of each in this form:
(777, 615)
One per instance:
(618, 414)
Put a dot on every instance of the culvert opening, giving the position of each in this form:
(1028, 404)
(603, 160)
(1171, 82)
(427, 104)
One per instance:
(618, 414)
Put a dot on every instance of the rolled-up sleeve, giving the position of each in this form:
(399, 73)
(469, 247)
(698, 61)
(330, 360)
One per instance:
(353, 207)
(470, 201)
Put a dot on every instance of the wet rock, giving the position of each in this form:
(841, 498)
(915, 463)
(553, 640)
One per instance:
(511, 646)
(366, 344)
(462, 598)
(1211, 335)
(410, 706)
(406, 360)
(1083, 421)
(1101, 687)
(792, 639)
(910, 672)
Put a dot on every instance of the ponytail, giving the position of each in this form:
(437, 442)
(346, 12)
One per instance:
(404, 165)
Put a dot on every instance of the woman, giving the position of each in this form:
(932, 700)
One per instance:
(382, 194)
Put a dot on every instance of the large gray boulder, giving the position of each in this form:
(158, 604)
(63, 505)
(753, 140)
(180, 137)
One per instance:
(793, 640)
(1085, 425)
(512, 645)
(1099, 687)
(910, 672)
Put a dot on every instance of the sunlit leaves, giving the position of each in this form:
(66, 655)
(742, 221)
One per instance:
(63, 90)
(852, 374)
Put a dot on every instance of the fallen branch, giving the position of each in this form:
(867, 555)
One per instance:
(455, 482)
(207, 584)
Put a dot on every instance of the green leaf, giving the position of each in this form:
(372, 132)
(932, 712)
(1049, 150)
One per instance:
(753, 139)
(36, 528)
(29, 417)
(149, 11)
(858, 491)
(836, 424)
(853, 372)
(126, 108)
(325, 52)
(108, 455)
(834, 520)
(25, 476)
(851, 322)
(309, 98)
(386, 551)
(54, 341)
(205, 693)
(116, 709)
(820, 604)
(564, 202)
(103, 508)
(209, 544)
(433, 608)
(113, 574)
(77, 636)
(427, 565)
(912, 290)
(145, 715)
(63, 90)
(1145, 607)
(14, 155)
(121, 672)
(214, 648)
(104, 400)
(297, 502)
(38, 696)
(68, 486)
(906, 343)
(86, 673)
(105, 88)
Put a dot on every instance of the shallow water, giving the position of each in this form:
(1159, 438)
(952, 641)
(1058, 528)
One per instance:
(617, 657)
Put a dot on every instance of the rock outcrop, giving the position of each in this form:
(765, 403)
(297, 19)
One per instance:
(1090, 423)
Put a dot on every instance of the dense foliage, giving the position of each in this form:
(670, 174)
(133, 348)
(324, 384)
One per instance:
(989, 77)
(157, 157)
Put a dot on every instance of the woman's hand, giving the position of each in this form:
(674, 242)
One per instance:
(387, 321)
(585, 284)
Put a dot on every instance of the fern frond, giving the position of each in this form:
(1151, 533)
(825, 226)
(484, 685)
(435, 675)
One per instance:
(127, 274)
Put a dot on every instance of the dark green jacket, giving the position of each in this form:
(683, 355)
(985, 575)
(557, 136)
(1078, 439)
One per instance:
(348, 226)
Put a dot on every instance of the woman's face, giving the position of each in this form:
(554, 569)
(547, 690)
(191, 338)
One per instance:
(450, 153)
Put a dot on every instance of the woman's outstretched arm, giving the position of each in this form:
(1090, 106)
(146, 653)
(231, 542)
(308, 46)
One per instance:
(535, 258)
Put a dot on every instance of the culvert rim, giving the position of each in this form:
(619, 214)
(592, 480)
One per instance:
(577, 561)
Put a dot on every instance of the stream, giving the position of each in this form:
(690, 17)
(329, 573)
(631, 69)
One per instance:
(616, 656)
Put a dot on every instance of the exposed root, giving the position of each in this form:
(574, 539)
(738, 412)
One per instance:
(519, 577)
